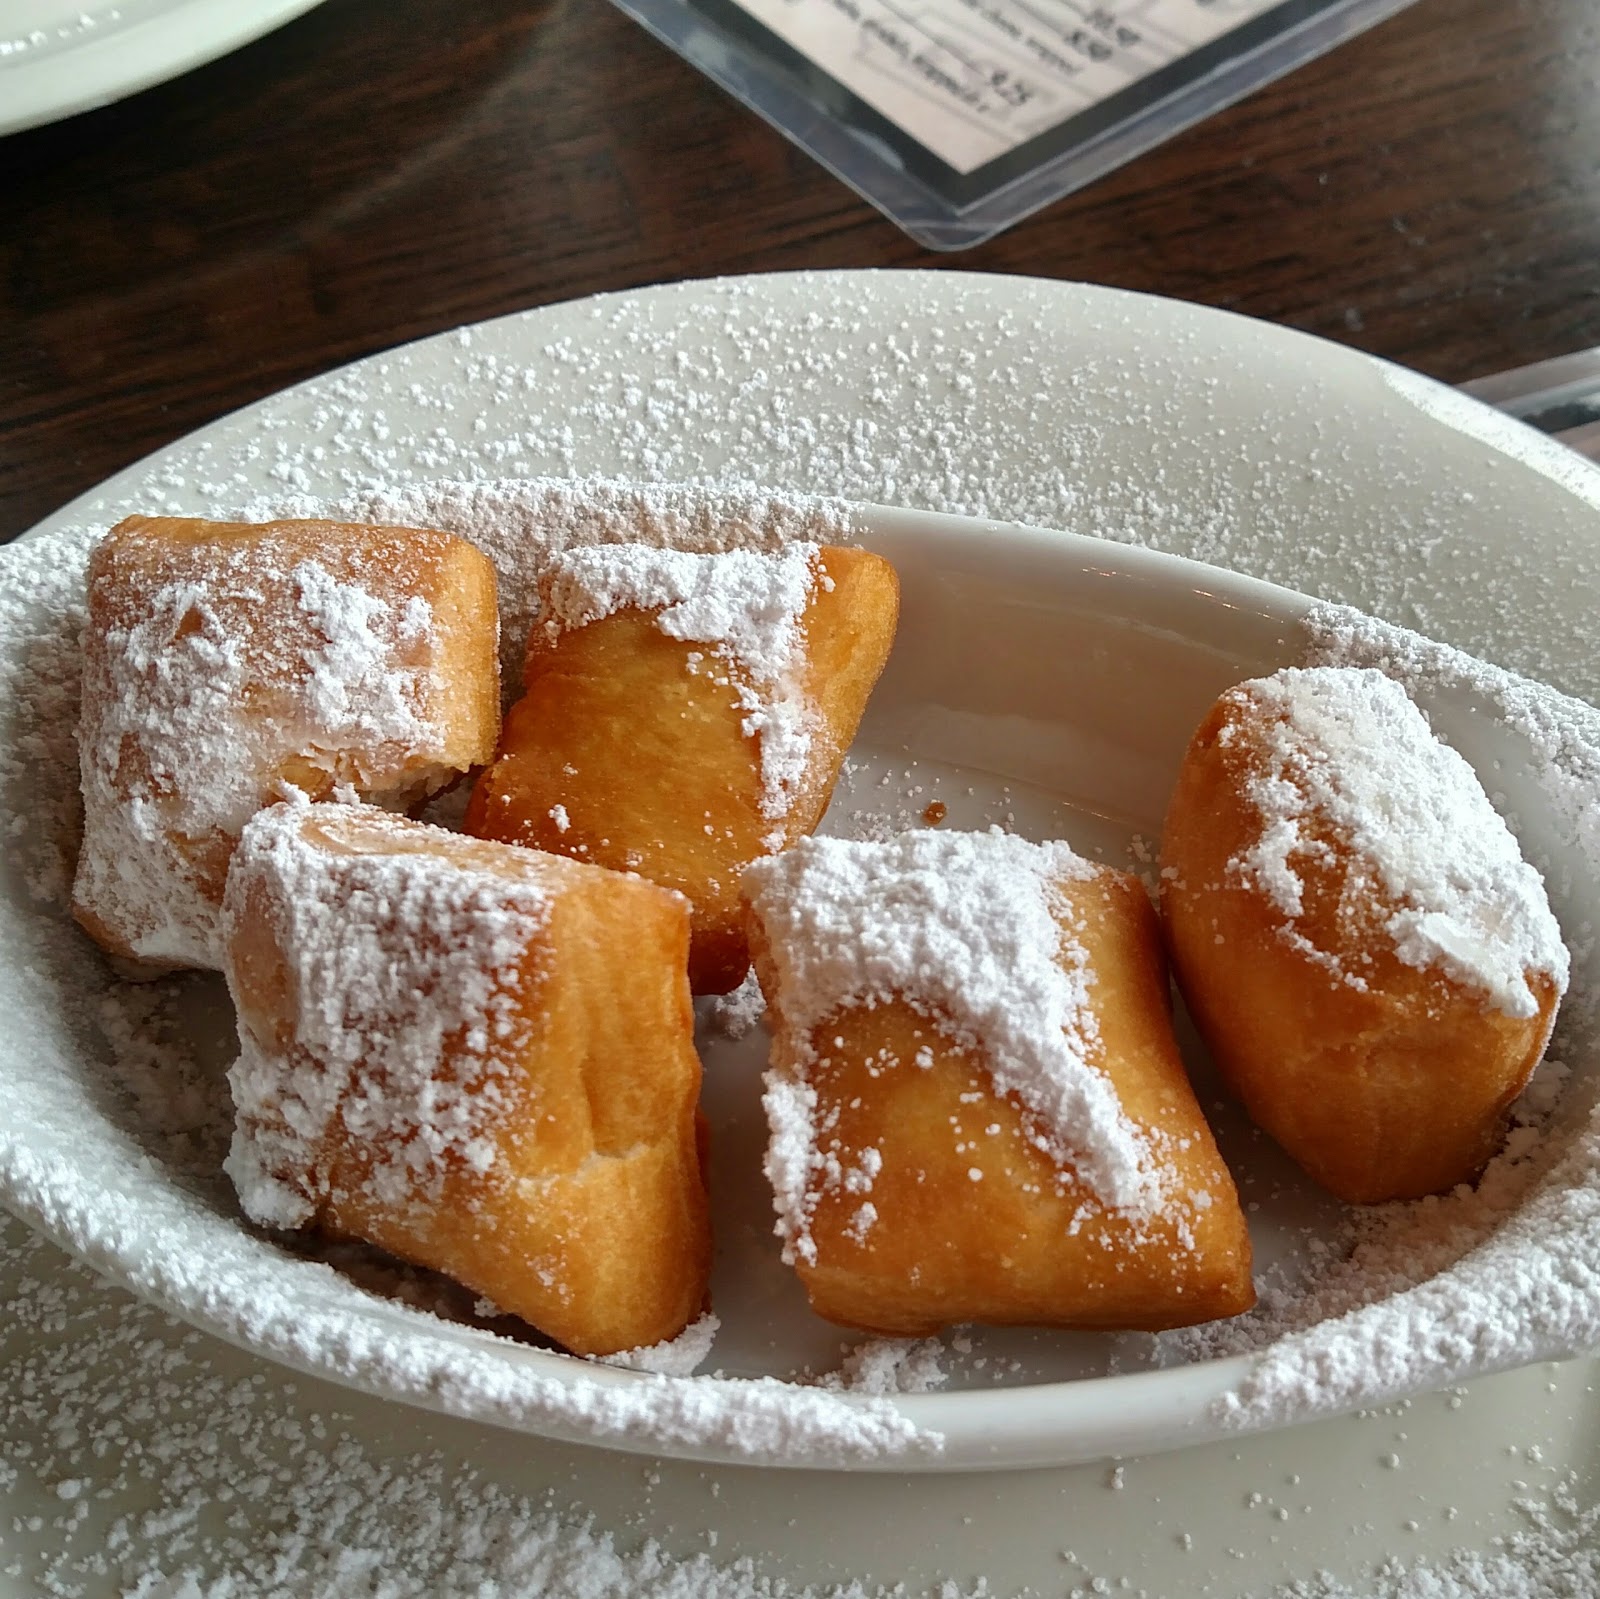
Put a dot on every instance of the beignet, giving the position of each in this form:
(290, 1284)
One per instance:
(977, 1107)
(228, 663)
(476, 1057)
(1371, 962)
(684, 714)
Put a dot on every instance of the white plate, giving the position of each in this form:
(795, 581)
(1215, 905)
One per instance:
(1069, 669)
(1191, 430)
(59, 57)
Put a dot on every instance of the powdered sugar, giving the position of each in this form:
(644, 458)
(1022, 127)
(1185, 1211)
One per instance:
(746, 602)
(520, 524)
(129, 871)
(1554, 1555)
(677, 1357)
(428, 951)
(1563, 734)
(352, 688)
(222, 673)
(965, 927)
(892, 1366)
(1348, 747)
(794, 1160)
(746, 605)
(734, 1016)
(214, 1481)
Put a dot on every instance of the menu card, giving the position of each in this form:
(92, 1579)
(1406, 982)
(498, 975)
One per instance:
(959, 117)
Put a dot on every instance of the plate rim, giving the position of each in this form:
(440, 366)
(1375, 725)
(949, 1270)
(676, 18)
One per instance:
(97, 69)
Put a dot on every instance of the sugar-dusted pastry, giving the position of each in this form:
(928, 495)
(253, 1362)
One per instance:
(685, 714)
(1372, 963)
(977, 1108)
(476, 1057)
(226, 664)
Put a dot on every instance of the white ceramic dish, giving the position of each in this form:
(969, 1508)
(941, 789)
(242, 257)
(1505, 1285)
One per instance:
(1056, 404)
(1364, 456)
(59, 57)
(1040, 680)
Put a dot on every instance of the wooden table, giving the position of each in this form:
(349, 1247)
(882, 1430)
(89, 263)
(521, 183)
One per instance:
(382, 169)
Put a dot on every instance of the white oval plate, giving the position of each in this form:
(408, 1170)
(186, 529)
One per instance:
(1072, 670)
(59, 57)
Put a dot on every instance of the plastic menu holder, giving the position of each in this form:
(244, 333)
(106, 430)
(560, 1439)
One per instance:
(957, 118)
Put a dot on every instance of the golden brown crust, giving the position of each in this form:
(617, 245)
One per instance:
(591, 1222)
(849, 629)
(1392, 1090)
(1025, 1242)
(620, 755)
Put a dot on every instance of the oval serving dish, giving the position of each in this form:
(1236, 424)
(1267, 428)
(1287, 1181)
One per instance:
(1043, 682)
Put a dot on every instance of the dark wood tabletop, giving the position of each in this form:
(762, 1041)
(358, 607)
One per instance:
(383, 169)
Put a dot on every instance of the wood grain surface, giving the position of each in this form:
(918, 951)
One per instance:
(382, 169)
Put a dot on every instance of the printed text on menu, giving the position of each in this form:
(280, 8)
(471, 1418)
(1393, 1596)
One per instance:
(971, 80)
